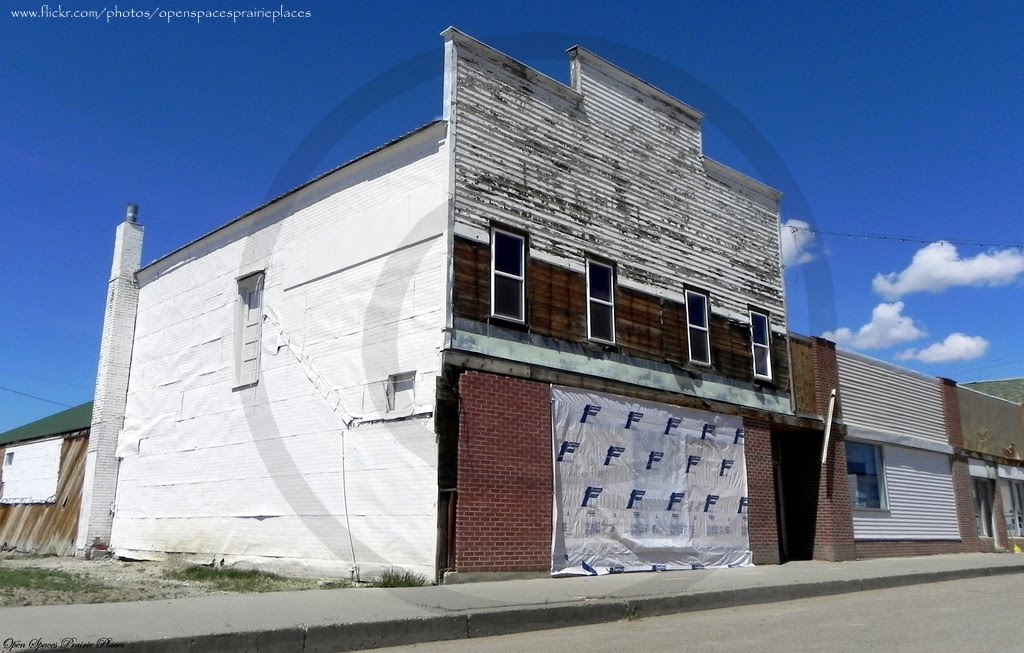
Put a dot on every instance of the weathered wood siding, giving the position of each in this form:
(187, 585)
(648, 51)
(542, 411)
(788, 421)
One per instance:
(646, 326)
(49, 528)
(612, 167)
(802, 362)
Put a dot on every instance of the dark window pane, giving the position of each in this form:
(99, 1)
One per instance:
(508, 297)
(508, 254)
(696, 309)
(760, 328)
(600, 282)
(601, 322)
(761, 367)
(699, 346)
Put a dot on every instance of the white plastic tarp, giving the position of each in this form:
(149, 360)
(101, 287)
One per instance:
(641, 486)
(30, 472)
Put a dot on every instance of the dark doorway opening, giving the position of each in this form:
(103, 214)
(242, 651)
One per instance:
(796, 461)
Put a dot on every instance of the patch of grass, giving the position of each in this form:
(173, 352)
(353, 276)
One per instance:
(232, 580)
(45, 580)
(632, 614)
(393, 577)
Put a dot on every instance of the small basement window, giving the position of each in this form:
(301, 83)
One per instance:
(401, 391)
(508, 276)
(600, 302)
(760, 345)
(698, 337)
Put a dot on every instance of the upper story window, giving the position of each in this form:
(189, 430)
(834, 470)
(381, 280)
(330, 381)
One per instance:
(248, 325)
(508, 275)
(600, 302)
(697, 327)
(760, 345)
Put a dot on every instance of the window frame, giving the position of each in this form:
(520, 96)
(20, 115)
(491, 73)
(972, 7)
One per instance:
(767, 346)
(880, 476)
(706, 328)
(521, 279)
(391, 391)
(1013, 511)
(255, 281)
(610, 304)
(985, 527)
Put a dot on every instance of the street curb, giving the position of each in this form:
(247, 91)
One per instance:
(335, 638)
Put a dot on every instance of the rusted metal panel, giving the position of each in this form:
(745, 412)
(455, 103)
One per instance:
(990, 425)
(49, 528)
(611, 170)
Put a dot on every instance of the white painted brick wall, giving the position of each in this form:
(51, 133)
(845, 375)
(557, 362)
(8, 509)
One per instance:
(101, 464)
(255, 474)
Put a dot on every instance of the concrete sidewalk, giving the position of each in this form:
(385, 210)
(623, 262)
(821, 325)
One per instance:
(353, 619)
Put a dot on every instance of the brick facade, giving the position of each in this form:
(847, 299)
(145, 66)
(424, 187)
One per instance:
(833, 536)
(503, 514)
(764, 535)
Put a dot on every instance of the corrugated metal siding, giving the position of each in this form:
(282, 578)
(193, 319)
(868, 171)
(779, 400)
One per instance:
(614, 172)
(921, 501)
(49, 528)
(882, 398)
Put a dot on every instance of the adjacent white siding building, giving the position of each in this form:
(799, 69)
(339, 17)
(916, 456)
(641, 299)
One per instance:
(898, 452)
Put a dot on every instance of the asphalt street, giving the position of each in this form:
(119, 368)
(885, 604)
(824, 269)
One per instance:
(982, 614)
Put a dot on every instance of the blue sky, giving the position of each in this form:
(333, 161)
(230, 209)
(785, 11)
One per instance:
(888, 121)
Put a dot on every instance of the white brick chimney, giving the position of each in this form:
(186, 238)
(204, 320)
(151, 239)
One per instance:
(101, 464)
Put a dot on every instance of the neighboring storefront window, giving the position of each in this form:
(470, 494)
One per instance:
(865, 474)
(1013, 506)
(983, 496)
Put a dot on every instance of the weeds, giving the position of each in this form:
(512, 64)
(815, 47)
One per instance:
(232, 580)
(393, 577)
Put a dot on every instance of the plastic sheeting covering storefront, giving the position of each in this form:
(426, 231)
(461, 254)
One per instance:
(641, 486)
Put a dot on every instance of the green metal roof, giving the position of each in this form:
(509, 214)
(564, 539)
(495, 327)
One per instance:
(1012, 389)
(72, 419)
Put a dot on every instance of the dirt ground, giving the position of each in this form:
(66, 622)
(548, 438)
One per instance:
(35, 580)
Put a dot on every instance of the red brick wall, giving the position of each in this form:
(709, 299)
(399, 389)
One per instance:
(503, 513)
(833, 537)
(951, 413)
(965, 504)
(905, 548)
(763, 529)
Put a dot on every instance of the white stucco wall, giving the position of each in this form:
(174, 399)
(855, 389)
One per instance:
(306, 467)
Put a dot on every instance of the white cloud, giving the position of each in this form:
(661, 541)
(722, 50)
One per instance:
(798, 241)
(886, 328)
(956, 347)
(938, 266)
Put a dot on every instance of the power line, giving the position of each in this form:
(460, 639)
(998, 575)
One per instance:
(25, 394)
(47, 380)
(905, 239)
